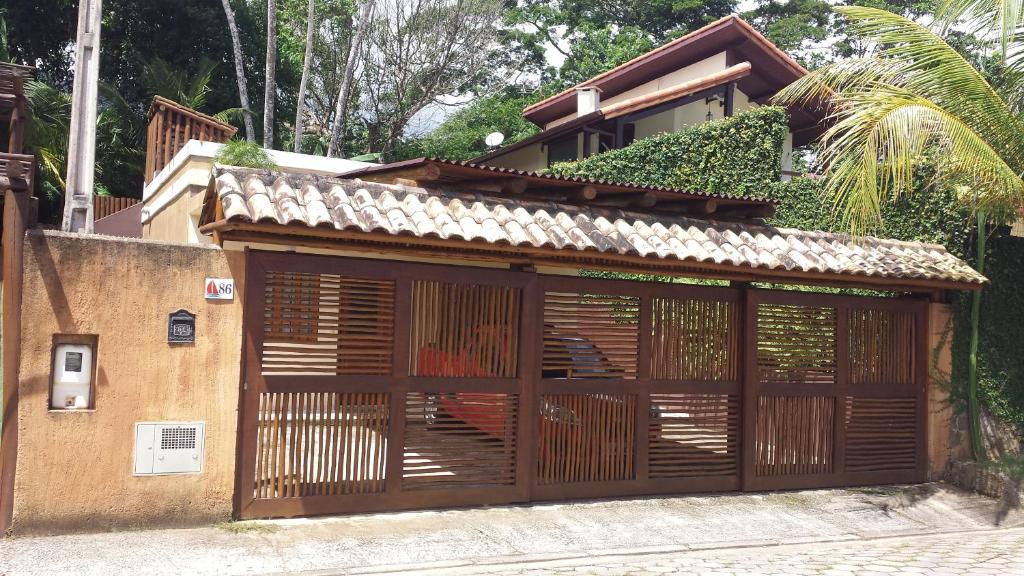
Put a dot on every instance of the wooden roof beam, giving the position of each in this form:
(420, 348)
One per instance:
(627, 200)
(513, 185)
(429, 172)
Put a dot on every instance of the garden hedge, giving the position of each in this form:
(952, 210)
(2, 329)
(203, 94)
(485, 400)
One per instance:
(737, 155)
(742, 155)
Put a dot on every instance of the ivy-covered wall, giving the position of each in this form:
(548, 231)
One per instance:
(737, 155)
(742, 155)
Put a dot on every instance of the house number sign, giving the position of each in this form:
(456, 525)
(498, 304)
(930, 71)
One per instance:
(181, 327)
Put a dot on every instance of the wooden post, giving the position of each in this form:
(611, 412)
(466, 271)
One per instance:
(16, 211)
(78, 215)
(730, 99)
(748, 398)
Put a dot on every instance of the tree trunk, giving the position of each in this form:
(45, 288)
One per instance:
(271, 83)
(345, 93)
(307, 60)
(243, 91)
(973, 405)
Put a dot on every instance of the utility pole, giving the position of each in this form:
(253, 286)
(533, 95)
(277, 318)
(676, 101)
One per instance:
(78, 198)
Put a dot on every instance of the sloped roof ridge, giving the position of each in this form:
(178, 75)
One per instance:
(669, 46)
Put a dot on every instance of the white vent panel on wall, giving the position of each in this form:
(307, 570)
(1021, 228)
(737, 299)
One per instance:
(169, 447)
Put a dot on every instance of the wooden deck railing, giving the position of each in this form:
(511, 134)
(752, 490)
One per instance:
(171, 125)
(13, 104)
(16, 172)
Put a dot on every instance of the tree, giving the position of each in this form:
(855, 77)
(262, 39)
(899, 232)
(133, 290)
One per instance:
(243, 92)
(918, 96)
(598, 50)
(418, 51)
(345, 91)
(800, 28)
(307, 60)
(270, 86)
(461, 137)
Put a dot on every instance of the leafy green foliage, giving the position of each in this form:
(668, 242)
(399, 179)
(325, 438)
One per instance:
(738, 155)
(244, 154)
(929, 215)
(597, 50)
(1001, 330)
(461, 137)
(190, 90)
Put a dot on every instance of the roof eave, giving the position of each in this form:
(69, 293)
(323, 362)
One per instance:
(240, 231)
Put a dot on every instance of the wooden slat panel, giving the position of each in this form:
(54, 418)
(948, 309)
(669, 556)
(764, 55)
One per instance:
(794, 435)
(693, 435)
(590, 335)
(170, 128)
(881, 434)
(327, 324)
(586, 438)
(464, 330)
(881, 347)
(316, 444)
(694, 340)
(459, 440)
(796, 344)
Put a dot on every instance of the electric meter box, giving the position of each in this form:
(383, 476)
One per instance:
(169, 448)
(72, 376)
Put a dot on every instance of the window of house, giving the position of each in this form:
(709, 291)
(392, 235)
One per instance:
(563, 150)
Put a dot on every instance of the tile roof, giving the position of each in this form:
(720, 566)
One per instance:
(257, 196)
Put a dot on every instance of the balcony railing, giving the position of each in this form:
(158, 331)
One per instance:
(16, 172)
(171, 126)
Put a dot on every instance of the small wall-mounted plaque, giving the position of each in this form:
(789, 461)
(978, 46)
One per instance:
(181, 327)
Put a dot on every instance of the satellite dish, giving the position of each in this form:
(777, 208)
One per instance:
(494, 139)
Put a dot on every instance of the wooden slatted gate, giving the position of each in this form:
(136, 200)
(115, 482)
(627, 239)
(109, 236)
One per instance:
(835, 390)
(374, 385)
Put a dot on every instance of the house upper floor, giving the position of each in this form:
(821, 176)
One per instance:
(720, 70)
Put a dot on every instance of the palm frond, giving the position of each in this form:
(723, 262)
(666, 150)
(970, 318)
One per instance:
(1002, 19)
(916, 60)
(231, 115)
(199, 86)
(871, 151)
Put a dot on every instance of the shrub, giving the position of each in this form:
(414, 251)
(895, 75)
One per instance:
(737, 155)
(244, 154)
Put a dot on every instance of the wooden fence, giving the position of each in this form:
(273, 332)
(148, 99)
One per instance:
(371, 386)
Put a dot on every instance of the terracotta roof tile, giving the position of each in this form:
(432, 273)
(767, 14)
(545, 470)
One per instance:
(297, 199)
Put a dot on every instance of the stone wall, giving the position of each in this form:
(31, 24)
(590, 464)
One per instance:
(75, 468)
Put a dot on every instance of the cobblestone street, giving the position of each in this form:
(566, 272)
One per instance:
(975, 553)
(924, 529)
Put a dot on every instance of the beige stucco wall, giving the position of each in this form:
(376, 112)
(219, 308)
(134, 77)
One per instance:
(75, 469)
(178, 220)
(944, 442)
(699, 69)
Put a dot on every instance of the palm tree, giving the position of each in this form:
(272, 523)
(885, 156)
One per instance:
(188, 89)
(307, 60)
(271, 78)
(918, 96)
(243, 91)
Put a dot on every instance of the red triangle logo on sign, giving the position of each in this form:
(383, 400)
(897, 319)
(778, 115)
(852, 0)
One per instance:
(211, 288)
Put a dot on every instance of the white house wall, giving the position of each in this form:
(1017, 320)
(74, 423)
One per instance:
(696, 70)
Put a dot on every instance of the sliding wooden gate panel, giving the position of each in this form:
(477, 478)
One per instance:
(639, 388)
(836, 394)
(375, 386)
(372, 385)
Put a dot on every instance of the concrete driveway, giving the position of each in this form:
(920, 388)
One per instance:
(462, 539)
